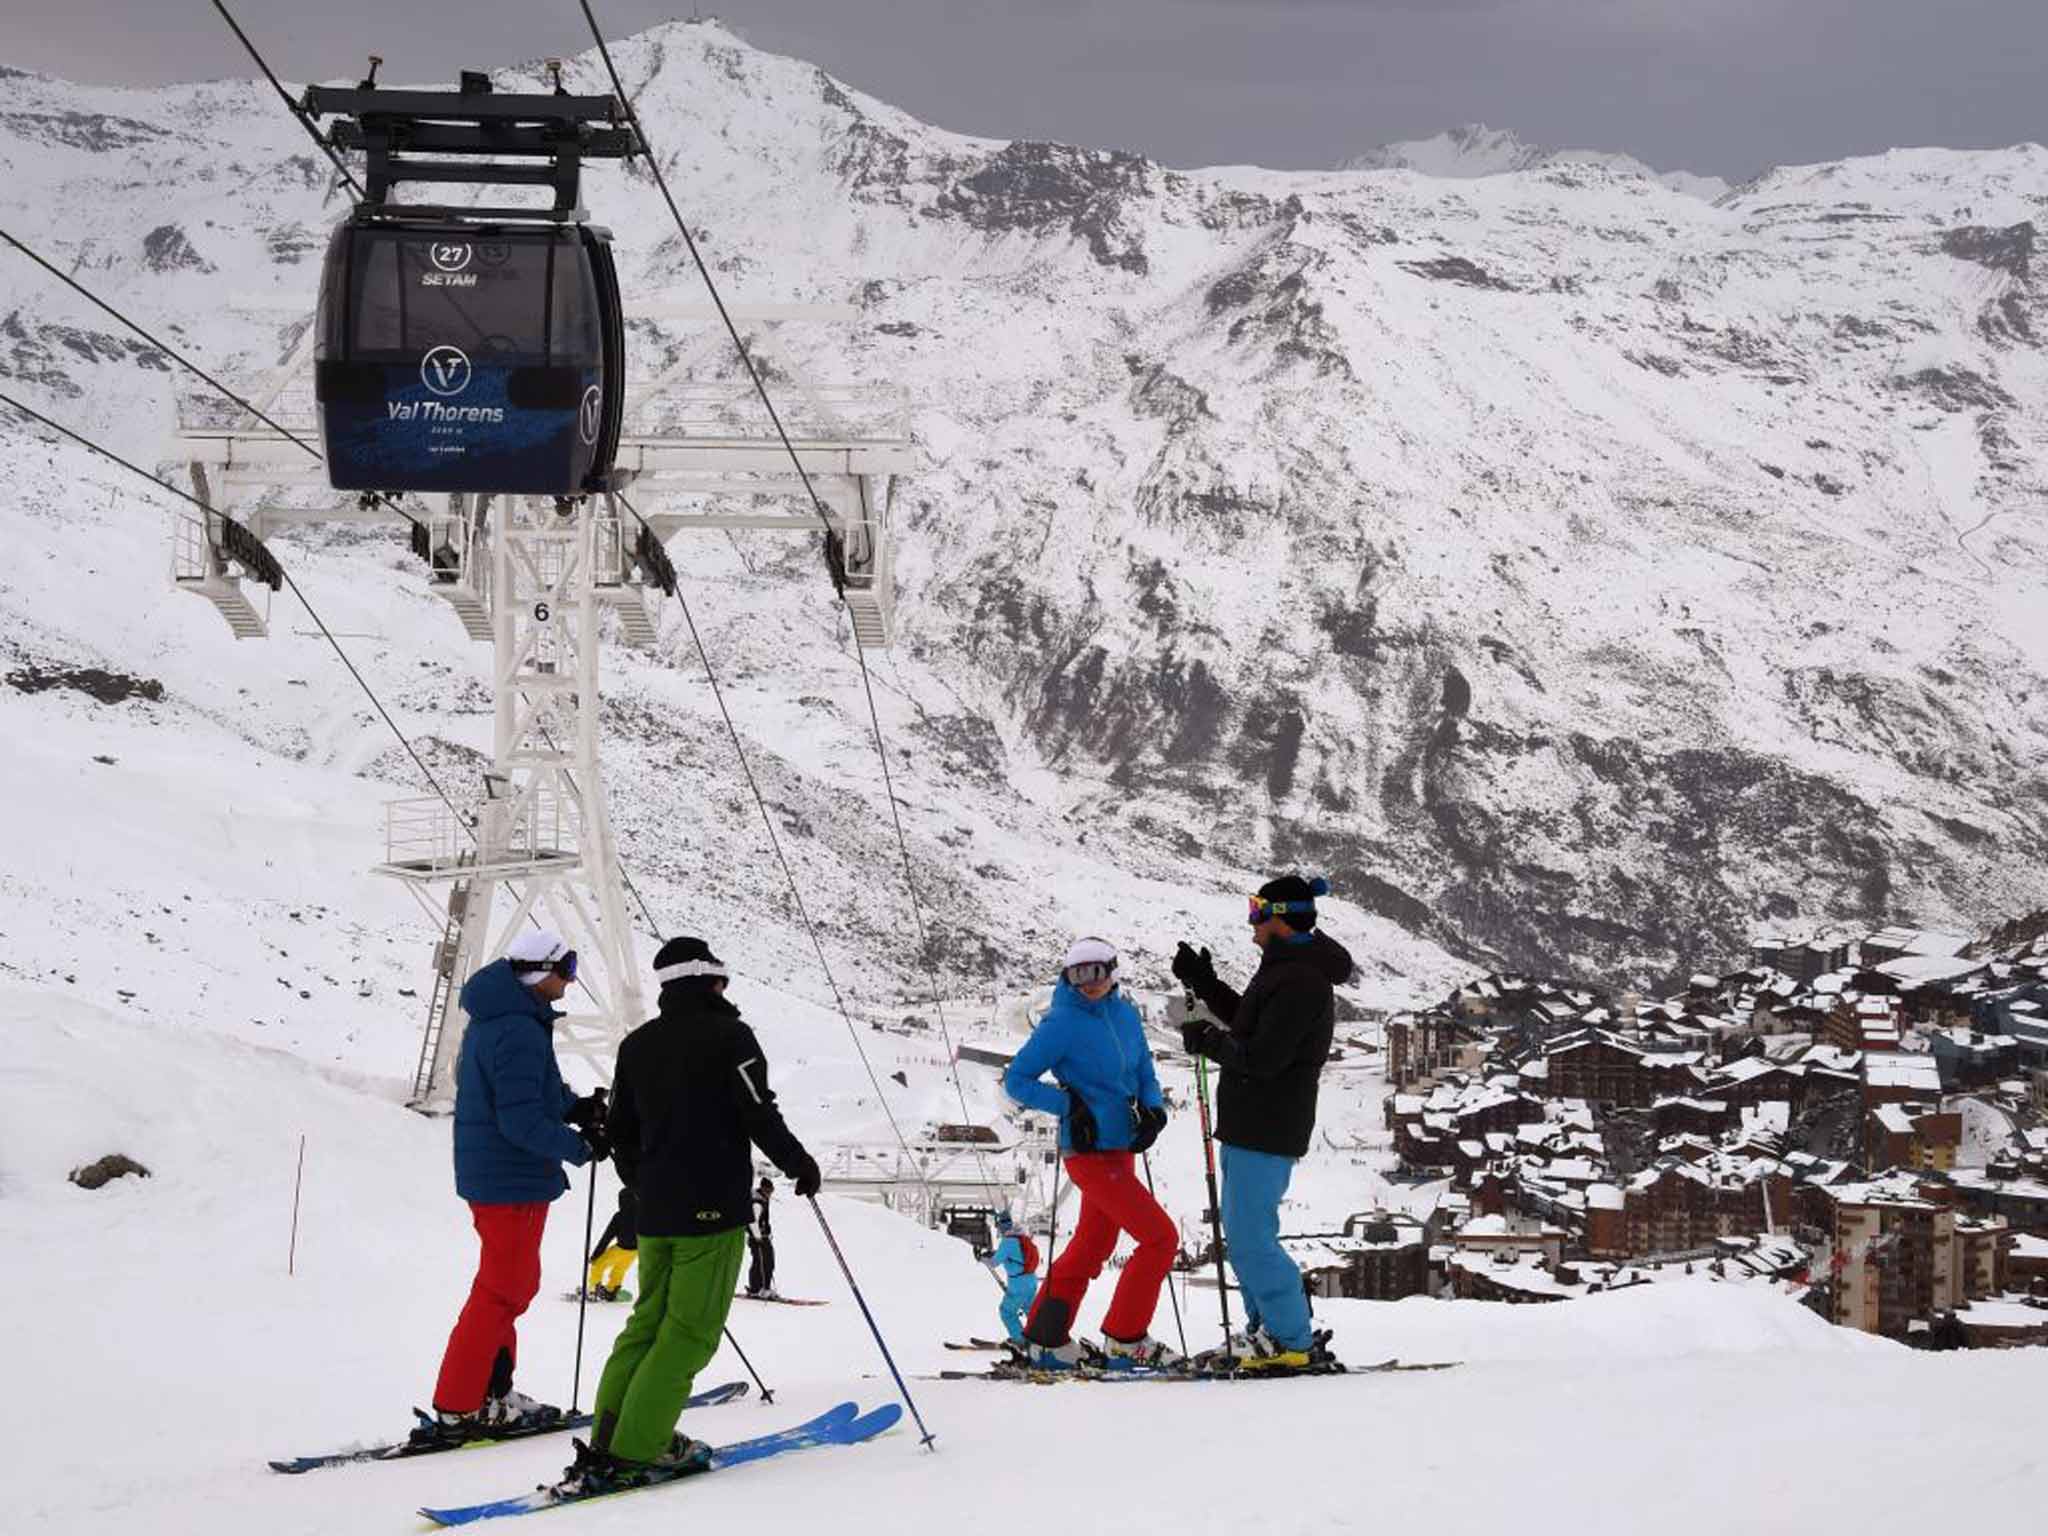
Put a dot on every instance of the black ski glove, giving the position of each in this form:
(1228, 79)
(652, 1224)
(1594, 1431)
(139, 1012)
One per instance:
(1193, 968)
(586, 1112)
(600, 1145)
(1150, 1123)
(1081, 1133)
(1194, 1036)
(808, 1179)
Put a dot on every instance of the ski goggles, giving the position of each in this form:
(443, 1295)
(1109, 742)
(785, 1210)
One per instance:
(563, 965)
(1262, 909)
(1088, 972)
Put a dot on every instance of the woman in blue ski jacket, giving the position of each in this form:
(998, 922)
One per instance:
(1091, 1043)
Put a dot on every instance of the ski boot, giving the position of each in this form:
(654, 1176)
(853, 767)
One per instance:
(1144, 1353)
(1264, 1353)
(1051, 1357)
(514, 1413)
(446, 1429)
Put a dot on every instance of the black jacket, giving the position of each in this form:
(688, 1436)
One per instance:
(689, 1094)
(1274, 1043)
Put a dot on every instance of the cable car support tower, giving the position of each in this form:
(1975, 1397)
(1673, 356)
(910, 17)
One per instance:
(529, 562)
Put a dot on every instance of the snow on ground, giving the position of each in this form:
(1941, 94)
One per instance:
(159, 1353)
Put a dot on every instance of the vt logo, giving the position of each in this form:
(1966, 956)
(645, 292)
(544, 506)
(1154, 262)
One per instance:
(590, 413)
(445, 370)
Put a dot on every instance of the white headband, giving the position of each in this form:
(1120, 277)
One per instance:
(689, 968)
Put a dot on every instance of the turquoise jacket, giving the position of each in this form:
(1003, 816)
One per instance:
(1097, 1050)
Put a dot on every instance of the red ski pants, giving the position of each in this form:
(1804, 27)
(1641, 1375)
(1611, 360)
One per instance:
(507, 1276)
(1113, 1200)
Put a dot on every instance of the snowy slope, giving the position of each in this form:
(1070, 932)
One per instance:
(1579, 572)
(1473, 149)
(159, 1354)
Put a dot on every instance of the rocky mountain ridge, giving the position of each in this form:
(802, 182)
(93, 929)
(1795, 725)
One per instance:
(1579, 572)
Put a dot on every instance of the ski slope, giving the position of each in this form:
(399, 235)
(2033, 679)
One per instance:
(158, 1353)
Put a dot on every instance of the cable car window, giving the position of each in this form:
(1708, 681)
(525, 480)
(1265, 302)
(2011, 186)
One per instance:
(578, 324)
(488, 296)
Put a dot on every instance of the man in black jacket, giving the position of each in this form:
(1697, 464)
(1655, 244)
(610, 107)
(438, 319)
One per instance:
(689, 1095)
(761, 1242)
(1271, 1045)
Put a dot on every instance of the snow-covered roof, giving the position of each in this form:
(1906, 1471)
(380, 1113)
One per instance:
(1921, 970)
(1899, 1070)
(1608, 1197)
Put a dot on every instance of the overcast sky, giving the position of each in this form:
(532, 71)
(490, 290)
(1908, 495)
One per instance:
(1721, 86)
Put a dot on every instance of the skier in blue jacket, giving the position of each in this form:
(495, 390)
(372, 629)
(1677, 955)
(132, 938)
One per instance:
(515, 1125)
(1092, 1044)
(1015, 1262)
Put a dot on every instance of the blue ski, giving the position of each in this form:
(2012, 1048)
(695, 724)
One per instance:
(405, 1449)
(844, 1424)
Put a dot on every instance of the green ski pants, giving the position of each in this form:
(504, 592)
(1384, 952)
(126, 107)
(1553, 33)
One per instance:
(686, 1291)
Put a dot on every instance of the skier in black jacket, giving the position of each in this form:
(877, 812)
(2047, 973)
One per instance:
(1272, 1043)
(761, 1242)
(690, 1095)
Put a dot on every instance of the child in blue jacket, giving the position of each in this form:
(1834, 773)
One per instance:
(1015, 1262)
(1091, 1042)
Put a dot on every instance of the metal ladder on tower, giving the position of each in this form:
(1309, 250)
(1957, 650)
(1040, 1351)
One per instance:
(443, 997)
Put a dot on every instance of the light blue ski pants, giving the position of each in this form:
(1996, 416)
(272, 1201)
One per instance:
(1253, 1183)
(1016, 1306)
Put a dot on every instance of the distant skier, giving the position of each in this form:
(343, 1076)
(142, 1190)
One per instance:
(1015, 1262)
(761, 1241)
(515, 1125)
(689, 1094)
(1092, 1042)
(611, 1261)
(1271, 1046)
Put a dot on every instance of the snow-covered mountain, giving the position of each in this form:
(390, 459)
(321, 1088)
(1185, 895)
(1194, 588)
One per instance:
(1473, 149)
(1577, 571)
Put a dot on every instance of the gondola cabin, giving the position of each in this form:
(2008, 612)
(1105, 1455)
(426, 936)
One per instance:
(462, 347)
(460, 357)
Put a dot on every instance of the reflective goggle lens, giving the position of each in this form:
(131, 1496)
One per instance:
(566, 966)
(1089, 972)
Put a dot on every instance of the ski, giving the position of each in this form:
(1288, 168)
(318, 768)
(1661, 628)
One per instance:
(844, 1424)
(401, 1450)
(599, 1298)
(1041, 1376)
(980, 1344)
(783, 1301)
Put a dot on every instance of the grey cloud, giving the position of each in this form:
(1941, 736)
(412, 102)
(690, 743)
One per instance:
(1713, 85)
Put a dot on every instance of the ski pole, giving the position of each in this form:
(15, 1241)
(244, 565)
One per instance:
(1215, 1203)
(766, 1395)
(854, 1286)
(1177, 1328)
(583, 1288)
(291, 1258)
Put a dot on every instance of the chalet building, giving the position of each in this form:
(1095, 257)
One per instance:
(1752, 1080)
(1860, 1022)
(2002, 1191)
(1912, 1136)
(2026, 1264)
(1900, 1078)
(1804, 960)
(1685, 1207)
(1605, 1069)
(1968, 1057)
(1982, 1267)
(1889, 944)
(1685, 1115)
(1391, 1257)
(1606, 1222)
(2003, 1322)
(1894, 1259)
